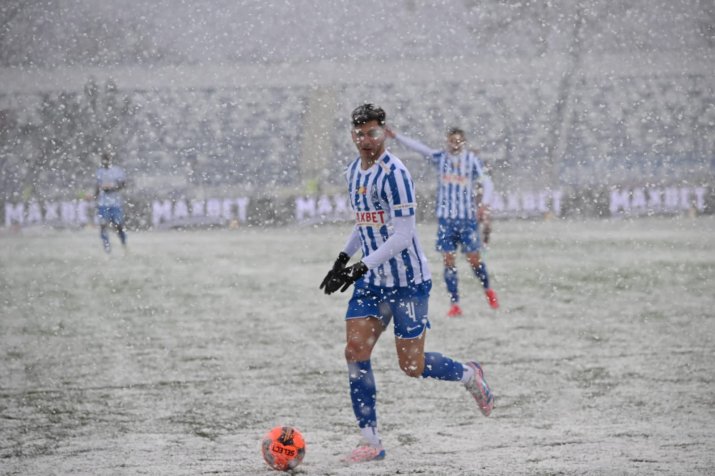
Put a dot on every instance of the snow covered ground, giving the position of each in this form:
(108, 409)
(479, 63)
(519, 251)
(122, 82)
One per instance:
(176, 358)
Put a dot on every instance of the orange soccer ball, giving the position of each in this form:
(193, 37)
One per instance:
(283, 448)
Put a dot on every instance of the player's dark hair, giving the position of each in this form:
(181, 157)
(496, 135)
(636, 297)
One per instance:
(366, 113)
(455, 130)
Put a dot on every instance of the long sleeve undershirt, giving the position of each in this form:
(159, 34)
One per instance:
(487, 190)
(416, 145)
(403, 231)
(425, 150)
(353, 243)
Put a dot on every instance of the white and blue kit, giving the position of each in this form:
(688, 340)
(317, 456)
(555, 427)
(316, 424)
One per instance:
(459, 179)
(379, 196)
(383, 201)
(398, 282)
(109, 202)
(457, 185)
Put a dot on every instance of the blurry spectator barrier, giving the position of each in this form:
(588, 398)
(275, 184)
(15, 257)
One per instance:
(262, 211)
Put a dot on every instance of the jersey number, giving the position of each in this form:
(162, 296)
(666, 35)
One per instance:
(410, 309)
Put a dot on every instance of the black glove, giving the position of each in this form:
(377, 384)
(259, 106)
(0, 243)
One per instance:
(351, 274)
(332, 280)
(343, 277)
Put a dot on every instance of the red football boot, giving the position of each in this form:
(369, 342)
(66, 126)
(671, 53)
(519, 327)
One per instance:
(454, 311)
(492, 298)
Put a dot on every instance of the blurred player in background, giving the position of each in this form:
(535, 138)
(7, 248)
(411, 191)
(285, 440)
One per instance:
(111, 179)
(391, 282)
(459, 172)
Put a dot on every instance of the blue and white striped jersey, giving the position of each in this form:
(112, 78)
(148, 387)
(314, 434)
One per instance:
(377, 195)
(457, 184)
(105, 176)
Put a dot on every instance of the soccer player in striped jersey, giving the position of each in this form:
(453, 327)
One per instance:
(391, 282)
(459, 172)
(110, 181)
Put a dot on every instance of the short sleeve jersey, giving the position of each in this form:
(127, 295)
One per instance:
(377, 195)
(457, 184)
(112, 174)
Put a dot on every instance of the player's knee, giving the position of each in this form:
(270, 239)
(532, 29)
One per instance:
(474, 259)
(357, 352)
(449, 261)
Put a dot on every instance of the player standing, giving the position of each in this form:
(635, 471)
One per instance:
(391, 282)
(459, 172)
(111, 179)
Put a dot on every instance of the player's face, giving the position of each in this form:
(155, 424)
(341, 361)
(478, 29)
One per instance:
(455, 143)
(369, 138)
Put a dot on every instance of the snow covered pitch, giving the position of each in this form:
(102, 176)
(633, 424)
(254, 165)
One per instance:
(177, 358)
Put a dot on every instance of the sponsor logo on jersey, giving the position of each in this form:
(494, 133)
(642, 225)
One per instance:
(454, 179)
(370, 218)
(403, 206)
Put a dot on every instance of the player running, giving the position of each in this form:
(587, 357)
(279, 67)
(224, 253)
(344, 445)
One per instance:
(391, 282)
(459, 173)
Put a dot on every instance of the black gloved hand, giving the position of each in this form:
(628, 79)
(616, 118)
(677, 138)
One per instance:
(351, 274)
(332, 280)
(342, 277)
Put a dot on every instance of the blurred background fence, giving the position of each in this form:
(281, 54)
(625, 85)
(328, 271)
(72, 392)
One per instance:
(252, 99)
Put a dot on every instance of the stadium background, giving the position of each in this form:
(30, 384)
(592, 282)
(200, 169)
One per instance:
(251, 99)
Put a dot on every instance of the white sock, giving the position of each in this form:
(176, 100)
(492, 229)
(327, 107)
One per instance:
(371, 435)
(468, 373)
